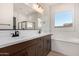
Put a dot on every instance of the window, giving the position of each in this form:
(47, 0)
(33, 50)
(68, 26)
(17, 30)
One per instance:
(63, 19)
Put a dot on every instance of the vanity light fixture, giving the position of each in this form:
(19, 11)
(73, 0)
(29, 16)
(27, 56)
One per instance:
(38, 8)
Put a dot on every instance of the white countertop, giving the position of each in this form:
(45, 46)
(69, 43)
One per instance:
(7, 41)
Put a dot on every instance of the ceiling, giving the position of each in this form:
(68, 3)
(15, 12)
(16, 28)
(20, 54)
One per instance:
(22, 8)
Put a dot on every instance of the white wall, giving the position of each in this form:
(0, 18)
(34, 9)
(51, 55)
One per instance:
(76, 15)
(6, 15)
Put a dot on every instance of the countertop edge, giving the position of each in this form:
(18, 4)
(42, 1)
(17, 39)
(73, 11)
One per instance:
(20, 41)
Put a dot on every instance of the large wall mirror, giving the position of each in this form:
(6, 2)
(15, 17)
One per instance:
(19, 16)
(26, 17)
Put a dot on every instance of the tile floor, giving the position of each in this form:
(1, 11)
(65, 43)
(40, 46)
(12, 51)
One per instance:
(53, 53)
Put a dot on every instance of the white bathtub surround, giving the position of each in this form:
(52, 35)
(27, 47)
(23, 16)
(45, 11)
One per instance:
(66, 36)
(66, 42)
(67, 48)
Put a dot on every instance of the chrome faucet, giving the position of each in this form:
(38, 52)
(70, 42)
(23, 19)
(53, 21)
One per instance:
(39, 31)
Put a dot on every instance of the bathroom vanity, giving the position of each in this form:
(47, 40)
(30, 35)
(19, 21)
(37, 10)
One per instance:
(24, 33)
(35, 46)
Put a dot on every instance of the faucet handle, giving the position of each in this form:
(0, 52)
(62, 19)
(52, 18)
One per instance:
(12, 34)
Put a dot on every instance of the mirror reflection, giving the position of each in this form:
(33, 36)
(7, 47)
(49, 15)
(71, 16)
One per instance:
(26, 17)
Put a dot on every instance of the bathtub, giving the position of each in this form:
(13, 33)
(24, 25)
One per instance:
(66, 43)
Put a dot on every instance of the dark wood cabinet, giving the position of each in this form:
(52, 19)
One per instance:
(39, 50)
(21, 53)
(36, 47)
(31, 50)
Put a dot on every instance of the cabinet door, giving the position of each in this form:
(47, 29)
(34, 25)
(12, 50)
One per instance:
(49, 43)
(31, 50)
(45, 46)
(39, 50)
